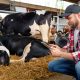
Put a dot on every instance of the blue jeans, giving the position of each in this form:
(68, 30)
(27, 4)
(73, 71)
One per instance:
(66, 67)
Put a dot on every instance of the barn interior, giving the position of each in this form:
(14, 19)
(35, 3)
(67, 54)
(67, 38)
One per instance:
(35, 69)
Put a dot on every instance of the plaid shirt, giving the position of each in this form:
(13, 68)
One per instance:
(70, 46)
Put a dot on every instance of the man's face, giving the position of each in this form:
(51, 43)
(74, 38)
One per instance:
(72, 21)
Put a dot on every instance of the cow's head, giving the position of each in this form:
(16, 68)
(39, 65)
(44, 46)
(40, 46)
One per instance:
(41, 24)
(44, 23)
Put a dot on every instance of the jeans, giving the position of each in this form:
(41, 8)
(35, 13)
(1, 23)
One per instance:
(65, 66)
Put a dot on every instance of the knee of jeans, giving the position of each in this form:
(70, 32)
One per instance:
(77, 66)
(51, 66)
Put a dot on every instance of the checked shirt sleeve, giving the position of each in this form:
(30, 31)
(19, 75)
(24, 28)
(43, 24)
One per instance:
(76, 56)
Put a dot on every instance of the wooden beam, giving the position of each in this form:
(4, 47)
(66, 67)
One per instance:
(36, 7)
(26, 5)
(4, 1)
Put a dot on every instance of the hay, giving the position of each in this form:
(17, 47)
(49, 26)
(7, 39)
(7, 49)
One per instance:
(33, 70)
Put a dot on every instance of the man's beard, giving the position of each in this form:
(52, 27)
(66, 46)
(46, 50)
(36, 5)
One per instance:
(73, 26)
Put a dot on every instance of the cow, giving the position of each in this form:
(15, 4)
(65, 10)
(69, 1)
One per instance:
(25, 46)
(15, 43)
(27, 24)
(38, 49)
(4, 55)
(35, 49)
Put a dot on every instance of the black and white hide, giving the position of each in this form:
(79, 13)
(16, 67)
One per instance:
(24, 46)
(35, 49)
(15, 43)
(27, 24)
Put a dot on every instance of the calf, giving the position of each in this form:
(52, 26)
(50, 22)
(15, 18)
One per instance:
(24, 46)
(35, 49)
(15, 43)
(27, 24)
(27, 47)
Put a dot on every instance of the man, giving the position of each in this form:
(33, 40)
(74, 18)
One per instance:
(69, 62)
(66, 30)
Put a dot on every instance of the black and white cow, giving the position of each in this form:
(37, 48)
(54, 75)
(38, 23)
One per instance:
(27, 24)
(35, 49)
(4, 55)
(17, 43)
(26, 46)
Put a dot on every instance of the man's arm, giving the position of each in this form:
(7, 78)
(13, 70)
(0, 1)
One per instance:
(59, 52)
(76, 56)
(67, 55)
(73, 56)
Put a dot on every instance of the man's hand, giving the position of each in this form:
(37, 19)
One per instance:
(55, 50)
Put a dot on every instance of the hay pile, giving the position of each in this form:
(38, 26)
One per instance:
(33, 70)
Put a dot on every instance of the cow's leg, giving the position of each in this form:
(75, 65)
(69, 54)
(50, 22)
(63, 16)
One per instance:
(44, 28)
(26, 51)
(28, 57)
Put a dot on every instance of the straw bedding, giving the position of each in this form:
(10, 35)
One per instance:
(33, 70)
